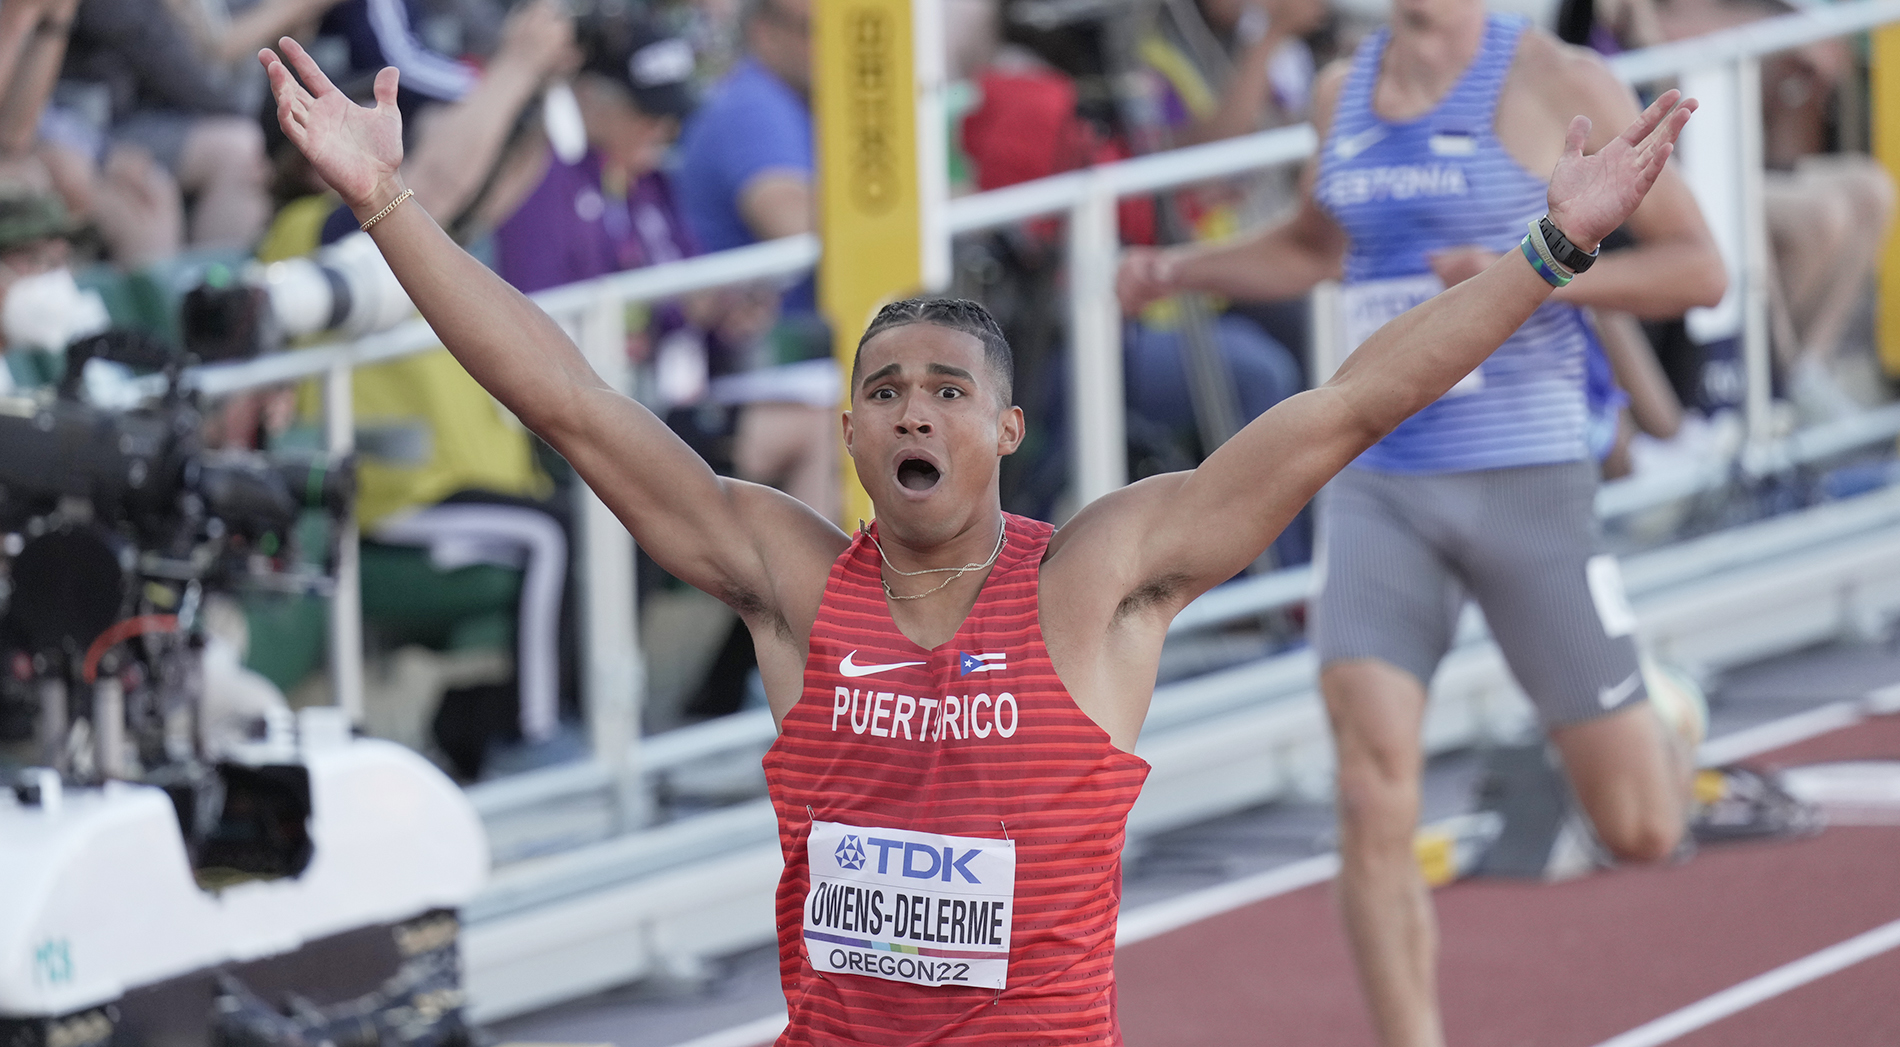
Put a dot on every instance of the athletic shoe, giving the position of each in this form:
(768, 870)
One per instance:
(1739, 803)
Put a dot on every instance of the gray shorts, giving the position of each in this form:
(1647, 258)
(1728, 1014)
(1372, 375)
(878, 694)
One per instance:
(1398, 553)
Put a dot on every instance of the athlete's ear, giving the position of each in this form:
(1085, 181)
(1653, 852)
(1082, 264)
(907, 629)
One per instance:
(1009, 431)
(845, 421)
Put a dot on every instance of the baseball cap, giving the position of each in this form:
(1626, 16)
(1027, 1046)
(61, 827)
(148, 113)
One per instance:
(656, 67)
(27, 218)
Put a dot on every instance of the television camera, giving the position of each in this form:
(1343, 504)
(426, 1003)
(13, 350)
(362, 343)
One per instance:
(183, 859)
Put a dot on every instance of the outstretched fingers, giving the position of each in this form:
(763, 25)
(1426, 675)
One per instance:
(293, 102)
(1652, 117)
(307, 69)
(1664, 143)
(282, 85)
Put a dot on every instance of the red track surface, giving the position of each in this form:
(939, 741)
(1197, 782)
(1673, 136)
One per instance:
(1565, 965)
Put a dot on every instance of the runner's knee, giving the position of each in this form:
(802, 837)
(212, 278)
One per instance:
(1378, 793)
(1374, 711)
(1641, 836)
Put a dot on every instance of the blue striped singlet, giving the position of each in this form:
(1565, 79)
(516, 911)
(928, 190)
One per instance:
(1404, 191)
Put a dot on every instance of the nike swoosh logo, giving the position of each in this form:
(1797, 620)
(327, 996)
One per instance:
(851, 668)
(1352, 145)
(1608, 697)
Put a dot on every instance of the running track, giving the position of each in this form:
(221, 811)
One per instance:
(1566, 965)
(1787, 943)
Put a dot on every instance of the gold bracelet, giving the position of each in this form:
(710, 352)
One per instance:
(384, 213)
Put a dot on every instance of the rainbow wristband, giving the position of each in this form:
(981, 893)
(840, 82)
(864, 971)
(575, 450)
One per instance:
(1552, 273)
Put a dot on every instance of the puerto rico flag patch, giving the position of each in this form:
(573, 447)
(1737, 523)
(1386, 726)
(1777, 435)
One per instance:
(968, 663)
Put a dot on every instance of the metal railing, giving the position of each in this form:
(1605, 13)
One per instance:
(593, 313)
(622, 760)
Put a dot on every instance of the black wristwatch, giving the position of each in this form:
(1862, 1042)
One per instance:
(1568, 255)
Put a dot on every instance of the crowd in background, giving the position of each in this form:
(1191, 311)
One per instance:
(563, 141)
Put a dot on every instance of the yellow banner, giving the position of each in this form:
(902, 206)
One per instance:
(1885, 94)
(869, 218)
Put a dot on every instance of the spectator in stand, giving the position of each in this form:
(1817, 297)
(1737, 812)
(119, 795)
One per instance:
(745, 168)
(32, 46)
(612, 208)
(469, 489)
(1246, 69)
(745, 175)
(173, 81)
(1828, 211)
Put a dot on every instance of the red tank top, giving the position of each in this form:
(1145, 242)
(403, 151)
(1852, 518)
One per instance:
(976, 738)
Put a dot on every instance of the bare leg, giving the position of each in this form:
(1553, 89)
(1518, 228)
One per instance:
(792, 447)
(1867, 195)
(1377, 711)
(139, 208)
(1632, 777)
(26, 172)
(1828, 220)
(130, 199)
(223, 165)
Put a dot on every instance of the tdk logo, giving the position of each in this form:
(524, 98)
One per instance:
(917, 861)
(850, 853)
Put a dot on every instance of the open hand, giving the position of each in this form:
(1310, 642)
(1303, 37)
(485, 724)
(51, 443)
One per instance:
(357, 150)
(1591, 195)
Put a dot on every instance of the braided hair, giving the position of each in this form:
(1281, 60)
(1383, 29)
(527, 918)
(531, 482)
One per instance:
(957, 314)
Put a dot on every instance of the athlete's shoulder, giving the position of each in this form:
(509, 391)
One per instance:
(1553, 66)
(1327, 87)
(1566, 80)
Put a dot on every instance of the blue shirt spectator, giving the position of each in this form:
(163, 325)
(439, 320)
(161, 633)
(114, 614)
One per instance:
(753, 124)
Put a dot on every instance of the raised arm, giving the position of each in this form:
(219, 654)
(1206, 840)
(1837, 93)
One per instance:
(757, 549)
(1673, 264)
(1190, 531)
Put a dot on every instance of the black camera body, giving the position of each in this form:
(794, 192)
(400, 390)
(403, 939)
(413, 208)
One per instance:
(118, 523)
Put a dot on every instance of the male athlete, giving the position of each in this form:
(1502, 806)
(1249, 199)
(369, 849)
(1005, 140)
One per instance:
(958, 690)
(1437, 140)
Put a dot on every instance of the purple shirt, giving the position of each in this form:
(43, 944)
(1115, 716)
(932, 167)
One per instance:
(568, 229)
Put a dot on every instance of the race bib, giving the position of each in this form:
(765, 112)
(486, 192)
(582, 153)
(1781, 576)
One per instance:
(909, 906)
(1370, 305)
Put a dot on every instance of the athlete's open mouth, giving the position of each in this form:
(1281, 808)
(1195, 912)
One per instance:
(916, 474)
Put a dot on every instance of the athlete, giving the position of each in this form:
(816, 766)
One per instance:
(958, 690)
(1438, 138)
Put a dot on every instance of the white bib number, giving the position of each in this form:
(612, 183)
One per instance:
(1372, 304)
(909, 906)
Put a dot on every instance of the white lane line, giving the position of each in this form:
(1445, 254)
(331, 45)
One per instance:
(1157, 919)
(1151, 921)
(1761, 987)
(1778, 733)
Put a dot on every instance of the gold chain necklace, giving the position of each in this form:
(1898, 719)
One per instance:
(954, 572)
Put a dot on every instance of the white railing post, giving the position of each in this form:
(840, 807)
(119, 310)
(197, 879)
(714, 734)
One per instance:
(1325, 333)
(346, 602)
(613, 676)
(1758, 271)
(1097, 423)
(933, 166)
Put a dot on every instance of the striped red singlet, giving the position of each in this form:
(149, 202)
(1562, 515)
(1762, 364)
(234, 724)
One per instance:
(1053, 784)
